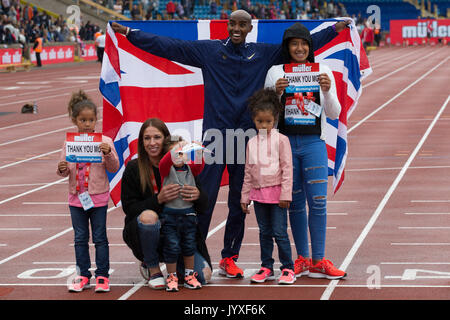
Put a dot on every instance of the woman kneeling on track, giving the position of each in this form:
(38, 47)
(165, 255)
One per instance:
(305, 129)
(143, 198)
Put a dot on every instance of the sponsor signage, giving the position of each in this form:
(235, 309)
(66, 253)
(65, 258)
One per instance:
(10, 56)
(83, 147)
(419, 31)
(54, 54)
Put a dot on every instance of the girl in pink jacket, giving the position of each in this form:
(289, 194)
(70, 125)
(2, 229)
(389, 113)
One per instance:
(88, 197)
(268, 183)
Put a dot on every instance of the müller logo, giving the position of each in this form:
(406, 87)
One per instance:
(423, 28)
(83, 138)
(301, 68)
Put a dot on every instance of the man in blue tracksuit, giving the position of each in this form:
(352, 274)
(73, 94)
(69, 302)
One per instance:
(232, 71)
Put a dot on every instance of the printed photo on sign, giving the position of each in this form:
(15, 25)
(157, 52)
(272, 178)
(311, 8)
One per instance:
(83, 147)
(293, 114)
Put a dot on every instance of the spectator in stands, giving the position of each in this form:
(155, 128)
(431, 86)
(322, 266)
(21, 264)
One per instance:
(136, 13)
(224, 15)
(8, 37)
(213, 7)
(6, 5)
(170, 9)
(180, 10)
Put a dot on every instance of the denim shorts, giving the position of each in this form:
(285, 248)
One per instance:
(179, 233)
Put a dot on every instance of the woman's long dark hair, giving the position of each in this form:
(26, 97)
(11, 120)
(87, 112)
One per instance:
(144, 164)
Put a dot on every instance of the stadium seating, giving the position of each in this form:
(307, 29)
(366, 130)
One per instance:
(389, 10)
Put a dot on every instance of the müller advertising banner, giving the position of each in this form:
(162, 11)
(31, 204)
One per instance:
(10, 56)
(83, 147)
(420, 31)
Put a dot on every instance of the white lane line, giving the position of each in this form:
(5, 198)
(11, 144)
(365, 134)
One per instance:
(35, 246)
(39, 155)
(37, 215)
(289, 228)
(348, 259)
(39, 244)
(342, 201)
(381, 61)
(43, 98)
(36, 136)
(427, 201)
(45, 203)
(20, 229)
(397, 168)
(420, 244)
(256, 287)
(27, 123)
(422, 228)
(23, 185)
(396, 96)
(29, 159)
(71, 262)
(397, 70)
(426, 213)
(33, 190)
(427, 263)
(32, 122)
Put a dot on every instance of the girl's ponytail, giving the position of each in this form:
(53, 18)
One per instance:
(78, 102)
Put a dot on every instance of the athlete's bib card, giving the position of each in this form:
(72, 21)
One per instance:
(83, 147)
(313, 108)
(86, 200)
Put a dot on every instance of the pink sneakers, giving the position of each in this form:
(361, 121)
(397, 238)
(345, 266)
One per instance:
(287, 277)
(262, 275)
(102, 284)
(191, 281)
(171, 283)
(325, 269)
(79, 284)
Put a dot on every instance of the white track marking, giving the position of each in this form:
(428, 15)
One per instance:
(396, 96)
(348, 259)
(39, 244)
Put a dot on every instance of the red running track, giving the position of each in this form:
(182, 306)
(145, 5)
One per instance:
(388, 225)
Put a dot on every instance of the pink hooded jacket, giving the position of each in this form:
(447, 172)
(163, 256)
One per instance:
(268, 163)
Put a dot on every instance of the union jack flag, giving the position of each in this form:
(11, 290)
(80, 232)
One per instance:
(137, 85)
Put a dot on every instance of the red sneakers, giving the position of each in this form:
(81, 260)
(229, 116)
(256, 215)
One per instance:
(325, 269)
(301, 266)
(229, 268)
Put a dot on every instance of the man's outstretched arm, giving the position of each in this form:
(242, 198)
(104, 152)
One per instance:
(324, 36)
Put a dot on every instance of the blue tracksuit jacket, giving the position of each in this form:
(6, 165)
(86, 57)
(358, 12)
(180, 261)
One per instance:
(231, 74)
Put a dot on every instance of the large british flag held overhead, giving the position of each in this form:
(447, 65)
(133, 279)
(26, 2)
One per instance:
(137, 85)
